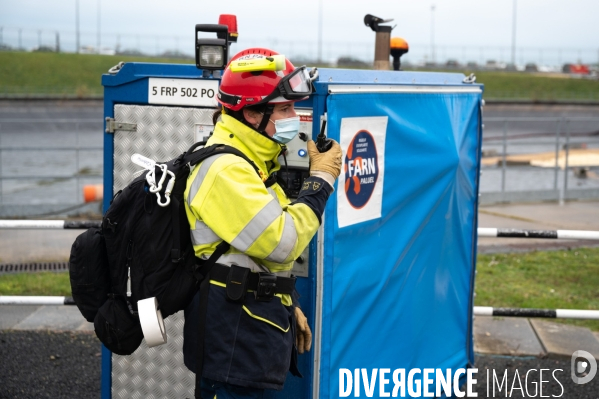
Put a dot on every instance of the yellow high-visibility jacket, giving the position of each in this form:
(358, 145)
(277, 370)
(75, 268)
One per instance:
(226, 200)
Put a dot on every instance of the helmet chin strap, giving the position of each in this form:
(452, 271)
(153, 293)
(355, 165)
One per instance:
(265, 117)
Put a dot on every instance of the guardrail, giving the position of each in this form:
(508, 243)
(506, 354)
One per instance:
(478, 310)
(481, 231)
(551, 234)
(527, 312)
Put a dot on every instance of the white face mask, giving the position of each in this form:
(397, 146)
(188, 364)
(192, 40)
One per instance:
(286, 129)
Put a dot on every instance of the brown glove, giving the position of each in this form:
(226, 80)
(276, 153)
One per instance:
(328, 162)
(303, 336)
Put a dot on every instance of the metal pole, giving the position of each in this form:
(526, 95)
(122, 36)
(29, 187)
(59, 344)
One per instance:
(99, 14)
(527, 312)
(77, 174)
(36, 300)
(514, 34)
(320, 31)
(503, 160)
(557, 133)
(48, 224)
(567, 155)
(1, 176)
(433, 33)
(77, 25)
(545, 234)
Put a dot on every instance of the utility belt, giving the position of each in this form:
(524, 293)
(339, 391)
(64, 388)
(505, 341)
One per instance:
(239, 280)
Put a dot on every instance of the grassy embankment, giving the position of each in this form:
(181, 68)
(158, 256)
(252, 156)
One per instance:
(79, 75)
(60, 74)
(536, 87)
(545, 280)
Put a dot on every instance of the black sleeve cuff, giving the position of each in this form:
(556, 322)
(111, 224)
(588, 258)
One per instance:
(314, 193)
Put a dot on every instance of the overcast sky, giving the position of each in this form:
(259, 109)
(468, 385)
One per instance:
(544, 25)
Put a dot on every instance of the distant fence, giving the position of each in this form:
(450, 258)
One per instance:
(17, 38)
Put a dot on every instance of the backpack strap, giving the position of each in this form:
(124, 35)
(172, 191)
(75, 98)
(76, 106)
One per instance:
(202, 270)
(194, 157)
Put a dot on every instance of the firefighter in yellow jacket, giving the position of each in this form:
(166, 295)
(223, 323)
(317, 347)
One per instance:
(242, 336)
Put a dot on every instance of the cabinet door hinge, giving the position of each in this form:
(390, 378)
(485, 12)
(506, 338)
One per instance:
(112, 125)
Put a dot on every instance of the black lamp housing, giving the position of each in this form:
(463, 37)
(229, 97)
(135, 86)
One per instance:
(221, 31)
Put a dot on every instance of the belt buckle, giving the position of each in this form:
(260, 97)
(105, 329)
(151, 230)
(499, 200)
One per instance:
(267, 283)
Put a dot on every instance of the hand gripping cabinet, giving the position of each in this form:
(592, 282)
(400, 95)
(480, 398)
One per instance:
(387, 283)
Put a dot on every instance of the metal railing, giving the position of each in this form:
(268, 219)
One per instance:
(517, 136)
(61, 153)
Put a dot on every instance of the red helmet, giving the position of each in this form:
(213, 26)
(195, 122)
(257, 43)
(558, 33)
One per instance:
(240, 89)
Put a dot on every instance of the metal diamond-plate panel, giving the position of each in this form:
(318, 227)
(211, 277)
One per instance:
(162, 134)
(156, 372)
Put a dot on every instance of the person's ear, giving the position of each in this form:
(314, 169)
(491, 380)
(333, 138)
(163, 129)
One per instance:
(253, 117)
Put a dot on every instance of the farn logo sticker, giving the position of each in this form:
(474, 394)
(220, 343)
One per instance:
(361, 169)
(360, 187)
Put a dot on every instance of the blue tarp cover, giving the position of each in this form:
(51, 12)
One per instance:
(398, 287)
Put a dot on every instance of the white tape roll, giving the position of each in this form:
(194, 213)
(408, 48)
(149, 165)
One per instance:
(152, 323)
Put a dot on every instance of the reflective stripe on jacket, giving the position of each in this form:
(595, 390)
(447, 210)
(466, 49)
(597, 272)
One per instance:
(227, 200)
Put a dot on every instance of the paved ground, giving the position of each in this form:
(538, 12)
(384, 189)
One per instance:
(48, 364)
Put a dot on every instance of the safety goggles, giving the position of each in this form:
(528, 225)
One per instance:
(295, 86)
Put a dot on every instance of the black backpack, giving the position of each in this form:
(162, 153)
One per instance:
(142, 250)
